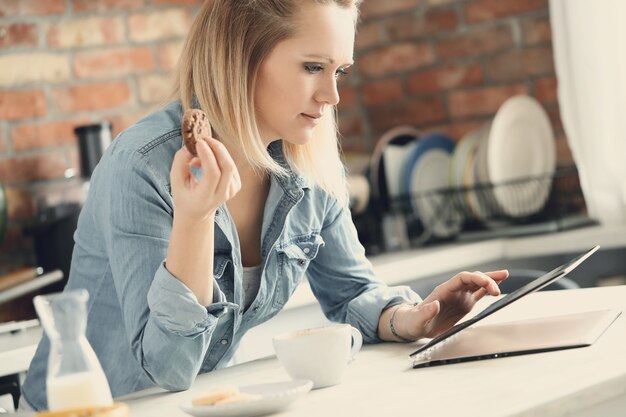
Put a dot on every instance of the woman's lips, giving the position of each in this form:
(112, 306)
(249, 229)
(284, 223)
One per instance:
(311, 118)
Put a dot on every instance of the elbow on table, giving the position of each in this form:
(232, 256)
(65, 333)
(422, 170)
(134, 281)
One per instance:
(172, 379)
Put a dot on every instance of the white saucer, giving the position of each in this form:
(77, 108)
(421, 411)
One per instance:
(274, 397)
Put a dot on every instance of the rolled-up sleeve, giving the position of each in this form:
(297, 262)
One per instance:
(176, 307)
(342, 278)
(169, 332)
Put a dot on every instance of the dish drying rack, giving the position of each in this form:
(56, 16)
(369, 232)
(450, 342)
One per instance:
(473, 213)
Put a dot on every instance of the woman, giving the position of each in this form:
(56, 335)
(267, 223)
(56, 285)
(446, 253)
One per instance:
(179, 266)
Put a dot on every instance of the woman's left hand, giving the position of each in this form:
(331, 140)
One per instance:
(447, 304)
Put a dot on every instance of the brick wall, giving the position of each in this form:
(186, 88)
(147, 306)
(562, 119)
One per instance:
(65, 63)
(446, 65)
(436, 64)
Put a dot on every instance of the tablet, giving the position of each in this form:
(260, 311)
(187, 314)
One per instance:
(533, 286)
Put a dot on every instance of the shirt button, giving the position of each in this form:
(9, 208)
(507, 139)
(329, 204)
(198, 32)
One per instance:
(217, 212)
(224, 341)
(301, 262)
(306, 250)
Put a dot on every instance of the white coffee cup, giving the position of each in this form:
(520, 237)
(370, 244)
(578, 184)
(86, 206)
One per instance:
(320, 354)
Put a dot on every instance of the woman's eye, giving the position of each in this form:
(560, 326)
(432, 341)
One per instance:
(341, 72)
(313, 68)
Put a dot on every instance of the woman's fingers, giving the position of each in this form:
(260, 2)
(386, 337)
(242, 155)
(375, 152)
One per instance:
(228, 170)
(180, 171)
(497, 276)
(472, 281)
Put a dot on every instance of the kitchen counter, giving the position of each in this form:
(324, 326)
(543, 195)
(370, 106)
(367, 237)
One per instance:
(587, 381)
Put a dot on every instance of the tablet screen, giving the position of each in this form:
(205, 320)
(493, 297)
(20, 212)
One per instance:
(533, 286)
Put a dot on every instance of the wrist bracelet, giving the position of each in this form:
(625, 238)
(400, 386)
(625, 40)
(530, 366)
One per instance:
(392, 328)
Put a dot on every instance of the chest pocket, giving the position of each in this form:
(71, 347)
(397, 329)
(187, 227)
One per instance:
(294, 257)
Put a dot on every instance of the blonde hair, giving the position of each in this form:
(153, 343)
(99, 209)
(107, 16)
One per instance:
(225, 47)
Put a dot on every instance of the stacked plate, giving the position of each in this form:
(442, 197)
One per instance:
(426, 181)
(505, 168)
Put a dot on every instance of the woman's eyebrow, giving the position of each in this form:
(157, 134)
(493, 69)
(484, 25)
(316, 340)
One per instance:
(326, 58)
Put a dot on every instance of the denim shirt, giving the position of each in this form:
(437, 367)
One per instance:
(147, 327)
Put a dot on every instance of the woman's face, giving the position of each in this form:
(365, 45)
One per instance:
(297, 82)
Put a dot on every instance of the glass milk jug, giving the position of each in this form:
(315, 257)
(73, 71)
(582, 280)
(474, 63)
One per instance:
(75, 378)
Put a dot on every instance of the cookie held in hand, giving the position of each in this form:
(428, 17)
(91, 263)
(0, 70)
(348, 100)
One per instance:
(195, 127)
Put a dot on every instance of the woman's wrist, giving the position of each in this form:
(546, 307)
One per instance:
(397, 327)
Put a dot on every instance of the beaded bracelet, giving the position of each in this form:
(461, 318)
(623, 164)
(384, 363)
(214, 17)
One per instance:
(393, 315)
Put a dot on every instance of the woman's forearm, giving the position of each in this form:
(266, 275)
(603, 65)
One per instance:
(190, 256)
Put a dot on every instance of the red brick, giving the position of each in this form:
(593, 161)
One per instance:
(371, 8)
(106, 5)
(563, 151)
(123, 120)
(351, 125)
(44, 166)
(475, 43)
(22, 104)
(520, 64)
(177, 2)
(168, 54)
(413, 112)
(554, 114)
(484, 101)
(412, 26)
(85, 31)
(546, 90)
(442, 2)
(92, 96)
(353, 147)
(456, 130)
(14, 8)
(3, 143)
(369, 34)
(21, 206)
(395, 58)
(488, 10)
(113, 62)
(445, 78)
(536, 31)
(385, 91)
(45, 135)
(18, 34)
(159, 24)
(348, 99)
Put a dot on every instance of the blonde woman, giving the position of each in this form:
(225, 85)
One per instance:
(179, 266)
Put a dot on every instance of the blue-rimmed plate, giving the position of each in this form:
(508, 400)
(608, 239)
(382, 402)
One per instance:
(426, 180)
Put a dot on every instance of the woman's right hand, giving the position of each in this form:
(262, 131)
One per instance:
(220, 181)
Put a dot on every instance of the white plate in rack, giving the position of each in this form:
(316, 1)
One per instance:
(521, 146)
(274, 397)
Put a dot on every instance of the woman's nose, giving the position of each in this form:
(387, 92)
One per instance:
(328, 93)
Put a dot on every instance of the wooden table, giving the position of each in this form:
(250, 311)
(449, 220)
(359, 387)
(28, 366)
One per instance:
(578, 382)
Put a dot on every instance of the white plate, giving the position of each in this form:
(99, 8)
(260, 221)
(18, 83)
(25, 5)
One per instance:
(274, 397)
(461, 157)
(521, 145)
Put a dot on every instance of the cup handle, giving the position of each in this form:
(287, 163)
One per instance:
(357, 342)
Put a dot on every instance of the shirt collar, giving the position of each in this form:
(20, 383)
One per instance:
(293, 180)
